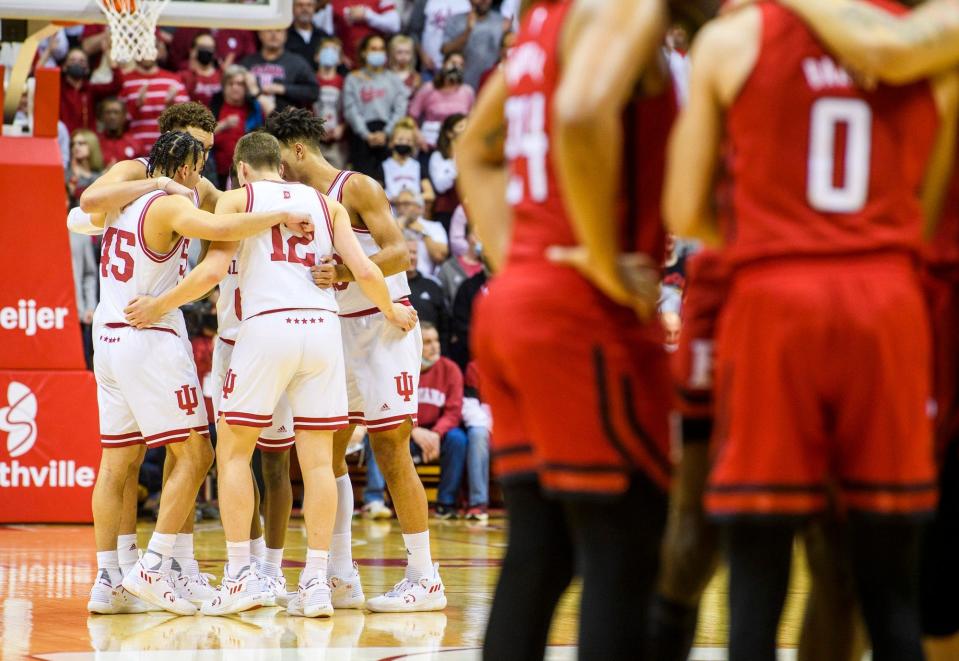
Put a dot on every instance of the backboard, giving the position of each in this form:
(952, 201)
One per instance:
(248, 14)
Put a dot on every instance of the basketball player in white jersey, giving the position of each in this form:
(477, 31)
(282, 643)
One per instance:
(383, 368)
(289, 343)
(147, 384)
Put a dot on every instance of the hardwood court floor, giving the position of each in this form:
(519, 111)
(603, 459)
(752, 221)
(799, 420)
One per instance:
(46, 573)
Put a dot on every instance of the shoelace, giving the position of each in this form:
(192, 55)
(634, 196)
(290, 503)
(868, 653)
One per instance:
(202, 578)
(401, 587)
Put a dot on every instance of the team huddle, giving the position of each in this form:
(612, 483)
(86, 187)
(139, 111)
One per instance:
(313, 339)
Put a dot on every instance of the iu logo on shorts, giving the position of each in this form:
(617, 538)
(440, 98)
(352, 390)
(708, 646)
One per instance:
(229, 381)
(187, 400)
(404, 385)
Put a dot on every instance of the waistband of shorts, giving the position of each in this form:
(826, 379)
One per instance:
(365, 313)
(903, 259)
(226, 341)
(281, 310)
(153, 328)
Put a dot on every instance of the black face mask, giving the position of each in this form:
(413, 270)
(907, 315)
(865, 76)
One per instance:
(205, 57)
(453, 75)
(403, 150)
(77, 71)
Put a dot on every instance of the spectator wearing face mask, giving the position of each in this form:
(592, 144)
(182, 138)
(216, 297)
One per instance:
(428, 20)
(402, 61)
(355, 21)
(78, 96)
(202, 76)
(446, 95)
(374, 100)
(116, 142)
(443, 169)
(231, 46)
(478, 36)
(284, 79)
(434, 247)
(237, 113)
(402, 171)
(330, 104)
(303, 37)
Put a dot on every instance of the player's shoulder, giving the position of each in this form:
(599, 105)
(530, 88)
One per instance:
(726, 33)
(361, 185)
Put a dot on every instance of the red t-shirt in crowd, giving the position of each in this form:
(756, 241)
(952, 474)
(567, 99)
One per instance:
(124, 148)
(441, 397)
(144, 118)
(78, 106)
(227, 138)
(202, 88)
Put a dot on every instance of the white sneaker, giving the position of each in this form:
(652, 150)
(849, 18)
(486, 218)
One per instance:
(426, 594)
(274, 590)
(126, 603)
(157, 588)
(235, 595)
(376, 509)
(101, 595)
(347, 590)
(312, 600)
(195, 588)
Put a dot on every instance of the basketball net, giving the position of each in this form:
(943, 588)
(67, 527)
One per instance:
(132, 28)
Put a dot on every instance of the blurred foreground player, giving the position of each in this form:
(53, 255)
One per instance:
(823, 348)
(585, 484)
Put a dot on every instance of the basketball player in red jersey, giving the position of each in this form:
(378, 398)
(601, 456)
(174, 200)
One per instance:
(898, 50)
(823, 348)
(578, 478)
(382, 368)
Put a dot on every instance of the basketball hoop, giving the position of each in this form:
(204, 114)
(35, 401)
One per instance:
(132, 27)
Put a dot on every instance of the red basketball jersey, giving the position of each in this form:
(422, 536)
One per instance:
(540, 217)
(819, 166)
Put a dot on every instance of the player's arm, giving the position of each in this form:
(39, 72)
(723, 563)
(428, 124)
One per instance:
(941, 163)
(723, 56)
(180, 216)
(599, 78)
(373, 207)
(481, 162)
(209, 195)
(80, 222)
(895, 49)
(122, 184)
(366, 273)
(142, 311)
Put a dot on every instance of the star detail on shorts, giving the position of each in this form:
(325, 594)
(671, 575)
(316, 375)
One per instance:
(289, 321)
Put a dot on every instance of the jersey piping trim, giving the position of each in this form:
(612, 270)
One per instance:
(153, 328)
(154, 256)
(249, 198)
(326, 214)
(260, 314)
(226, 341)
(365, 313)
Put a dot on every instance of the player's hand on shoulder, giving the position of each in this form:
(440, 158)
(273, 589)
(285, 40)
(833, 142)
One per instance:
(171, 187)
(143, 311)
(300, 224)
(324, 273)
(403, 317)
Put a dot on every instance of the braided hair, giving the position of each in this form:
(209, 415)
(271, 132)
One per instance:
(296, 125)
(172, 151)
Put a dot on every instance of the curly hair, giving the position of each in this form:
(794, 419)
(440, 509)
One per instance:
(184, 115)
(296, 125)
(172, 151)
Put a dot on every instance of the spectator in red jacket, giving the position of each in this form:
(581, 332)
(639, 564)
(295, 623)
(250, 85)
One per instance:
(148, 90)
(355, 20)
(116, 142)
(78, 96)
(202, 76)
(231, 46)
(438, 434)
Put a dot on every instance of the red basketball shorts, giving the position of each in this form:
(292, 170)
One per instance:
(578, 387)
(823, 380)
(941, 285)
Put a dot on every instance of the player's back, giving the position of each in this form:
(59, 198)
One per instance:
(822, 167)
(274, 265)
(129, 268)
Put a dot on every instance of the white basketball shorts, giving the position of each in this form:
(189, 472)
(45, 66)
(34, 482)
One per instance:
(298, 353)
(278, 437)
(382, 371)
(147, 387)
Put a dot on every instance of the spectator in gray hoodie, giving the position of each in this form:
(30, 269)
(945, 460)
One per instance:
(374, 99)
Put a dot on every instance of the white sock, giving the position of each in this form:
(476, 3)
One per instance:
(107, 561)
(127, 552)
(238, 557)
(316, 565)
(159, 549)
(258, 548)
(419, 562)
(272, 560)
(183, 553)
(341, 550)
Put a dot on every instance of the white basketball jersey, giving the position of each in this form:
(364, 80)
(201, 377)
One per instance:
(128, 268)
(274, 266)
(227, 312)
(349, 295)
